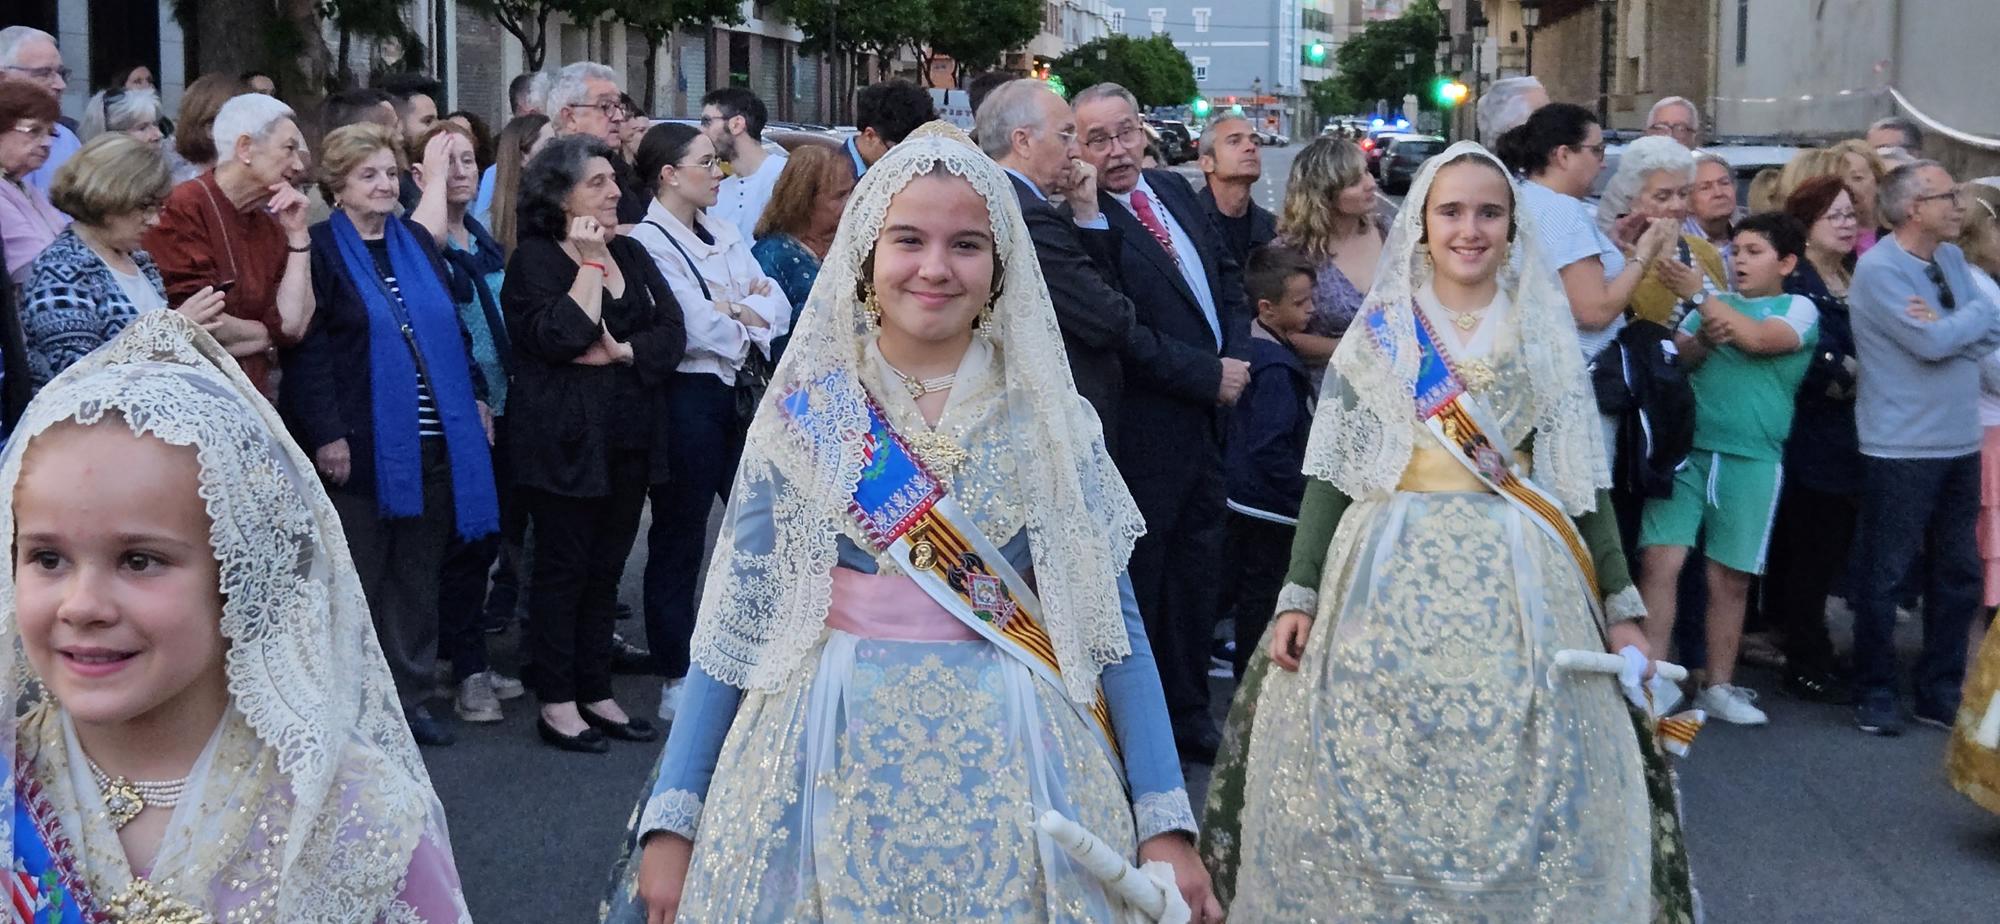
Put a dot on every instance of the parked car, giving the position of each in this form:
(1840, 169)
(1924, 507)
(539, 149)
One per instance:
(1176, 139)
(1377, 142)
(1403, 155)
(1272, 139)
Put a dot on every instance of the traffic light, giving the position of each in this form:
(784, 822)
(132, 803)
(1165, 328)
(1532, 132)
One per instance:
(1448, 92)
(1200, 107)
(1056, 83)
(1316, 53)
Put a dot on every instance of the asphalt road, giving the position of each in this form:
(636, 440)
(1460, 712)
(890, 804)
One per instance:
(1803, 821)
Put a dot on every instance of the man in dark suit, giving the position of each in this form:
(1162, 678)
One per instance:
(1231, 163)
(1183, 365)
(1029, 131)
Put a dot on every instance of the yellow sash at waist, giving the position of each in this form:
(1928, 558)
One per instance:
(1433, 470)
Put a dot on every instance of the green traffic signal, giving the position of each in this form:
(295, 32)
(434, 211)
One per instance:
(1201, 107)
(1448, 92)
(1316, 53)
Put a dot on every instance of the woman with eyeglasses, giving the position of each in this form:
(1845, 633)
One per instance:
(133, 112)
(28, 222)
(732, 311)
(1817, 507)
(94, 279)
(1559, 151)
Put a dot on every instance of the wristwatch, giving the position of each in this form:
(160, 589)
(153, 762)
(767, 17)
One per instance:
(1695, 301)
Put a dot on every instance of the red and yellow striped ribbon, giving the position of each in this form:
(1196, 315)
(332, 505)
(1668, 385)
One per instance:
(1023, 628)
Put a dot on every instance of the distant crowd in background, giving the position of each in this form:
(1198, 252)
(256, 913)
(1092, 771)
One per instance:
(1801, 395)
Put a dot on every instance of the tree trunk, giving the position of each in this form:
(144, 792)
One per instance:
(652, 74)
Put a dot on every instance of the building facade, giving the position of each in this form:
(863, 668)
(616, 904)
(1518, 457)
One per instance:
(469, 53)
(1245, 56)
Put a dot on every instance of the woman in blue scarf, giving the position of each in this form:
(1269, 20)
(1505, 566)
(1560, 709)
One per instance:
(444, 168)
(388, 402)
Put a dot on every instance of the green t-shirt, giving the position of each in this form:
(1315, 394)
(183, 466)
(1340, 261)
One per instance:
(1743, 401)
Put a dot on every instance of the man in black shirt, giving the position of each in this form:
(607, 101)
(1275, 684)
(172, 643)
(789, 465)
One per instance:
(1231, 163)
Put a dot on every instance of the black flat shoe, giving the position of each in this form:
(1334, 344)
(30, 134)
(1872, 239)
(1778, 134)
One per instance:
(628, 730)
(588, 741)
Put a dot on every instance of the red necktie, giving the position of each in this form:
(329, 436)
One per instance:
(1143, 207)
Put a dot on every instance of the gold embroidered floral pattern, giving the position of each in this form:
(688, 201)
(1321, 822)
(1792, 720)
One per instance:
(924, 810)
(1421, 756)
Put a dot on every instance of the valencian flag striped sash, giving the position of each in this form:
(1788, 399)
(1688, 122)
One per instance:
(906, 511)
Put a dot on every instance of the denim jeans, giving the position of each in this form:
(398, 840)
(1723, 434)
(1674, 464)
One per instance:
(1908, 507)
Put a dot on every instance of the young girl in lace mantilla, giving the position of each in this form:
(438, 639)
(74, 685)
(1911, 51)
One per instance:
(204, 727)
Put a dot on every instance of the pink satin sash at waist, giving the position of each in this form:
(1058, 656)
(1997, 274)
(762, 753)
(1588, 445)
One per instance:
(891, 607)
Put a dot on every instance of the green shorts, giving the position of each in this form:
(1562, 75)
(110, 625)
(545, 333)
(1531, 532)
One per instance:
(1729, 501)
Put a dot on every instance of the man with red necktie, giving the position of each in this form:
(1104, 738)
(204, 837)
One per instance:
(1183, 365)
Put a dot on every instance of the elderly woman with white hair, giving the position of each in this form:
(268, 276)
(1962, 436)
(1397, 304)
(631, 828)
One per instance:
(241, 229)
(1655, 179)
(134, 112)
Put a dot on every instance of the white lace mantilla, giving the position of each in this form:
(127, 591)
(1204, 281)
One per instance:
(768, 595)
(315, 800)
(1362, 435)
(1160, 812)
(676, 811)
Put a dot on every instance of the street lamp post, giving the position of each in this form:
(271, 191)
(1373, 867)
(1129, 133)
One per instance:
(1476, 18)
(1531, 19)
(1606, 33)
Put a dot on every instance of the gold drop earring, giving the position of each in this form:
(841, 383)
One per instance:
(871, 308)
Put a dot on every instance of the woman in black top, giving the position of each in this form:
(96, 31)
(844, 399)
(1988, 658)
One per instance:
(596, 336)
(385, 397)
(1817, 505)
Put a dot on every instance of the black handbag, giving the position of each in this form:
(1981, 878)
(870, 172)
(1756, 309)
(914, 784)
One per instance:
(1639, 380)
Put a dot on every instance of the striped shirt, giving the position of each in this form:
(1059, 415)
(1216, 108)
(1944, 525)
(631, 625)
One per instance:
(429, 424)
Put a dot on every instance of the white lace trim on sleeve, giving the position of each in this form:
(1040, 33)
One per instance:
(1624, 605)
(1160, 812)
(1298, 597)
(675, 810)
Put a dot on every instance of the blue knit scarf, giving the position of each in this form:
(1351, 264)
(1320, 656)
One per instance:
(392, 381)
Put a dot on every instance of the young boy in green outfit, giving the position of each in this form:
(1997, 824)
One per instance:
(1748, 351)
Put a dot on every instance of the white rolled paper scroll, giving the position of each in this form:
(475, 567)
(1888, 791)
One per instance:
(1137, 888)
(1599, 662)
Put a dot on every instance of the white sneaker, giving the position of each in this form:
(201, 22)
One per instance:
(670, 698)
(1732, 704)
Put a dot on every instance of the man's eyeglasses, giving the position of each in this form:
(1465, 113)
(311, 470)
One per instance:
(1933, 197)
(1945, 298)
(1671, 128)
(612, 109)
(1067, 138)
(1129, 137)
(42, 73)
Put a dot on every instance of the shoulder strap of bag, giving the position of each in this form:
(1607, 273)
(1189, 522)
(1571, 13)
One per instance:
(684, 256)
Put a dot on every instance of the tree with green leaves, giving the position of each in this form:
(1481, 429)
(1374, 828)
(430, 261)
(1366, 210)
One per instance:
(657, 20)
(975, 33)
(1156, 72)
(1370, 64)
(876, 27)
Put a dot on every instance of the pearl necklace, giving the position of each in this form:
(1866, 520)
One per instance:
(920, 387)
(124, 799)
